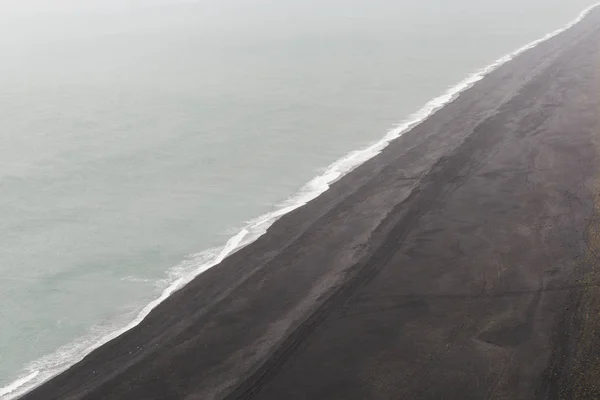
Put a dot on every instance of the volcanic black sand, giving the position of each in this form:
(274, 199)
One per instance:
(461, 263)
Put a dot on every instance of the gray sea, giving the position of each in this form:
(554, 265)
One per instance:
(138, 138)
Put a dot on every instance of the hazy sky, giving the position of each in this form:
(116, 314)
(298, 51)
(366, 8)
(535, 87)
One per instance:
(27, 25)
(259, 15)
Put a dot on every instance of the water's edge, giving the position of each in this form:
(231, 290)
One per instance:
(47, 367)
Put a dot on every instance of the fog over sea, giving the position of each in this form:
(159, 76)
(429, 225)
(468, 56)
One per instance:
(142, 141)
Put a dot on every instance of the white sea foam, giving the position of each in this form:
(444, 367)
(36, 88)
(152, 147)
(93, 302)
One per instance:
(134, 279)
(49, 366)
(18, 383)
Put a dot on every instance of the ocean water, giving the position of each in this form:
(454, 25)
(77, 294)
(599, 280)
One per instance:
(138, 138)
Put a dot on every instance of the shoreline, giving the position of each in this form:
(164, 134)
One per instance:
(318, 185)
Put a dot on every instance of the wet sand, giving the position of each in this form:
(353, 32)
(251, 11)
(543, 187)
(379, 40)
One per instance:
(461, 263)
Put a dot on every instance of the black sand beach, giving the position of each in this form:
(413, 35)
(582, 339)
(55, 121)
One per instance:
(461, 263)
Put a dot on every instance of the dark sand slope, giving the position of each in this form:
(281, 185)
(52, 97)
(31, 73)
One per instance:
(459, 264)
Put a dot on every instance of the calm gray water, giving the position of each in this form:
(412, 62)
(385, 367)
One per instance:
(135, 135)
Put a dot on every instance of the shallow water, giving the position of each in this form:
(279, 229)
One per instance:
(134, 137)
